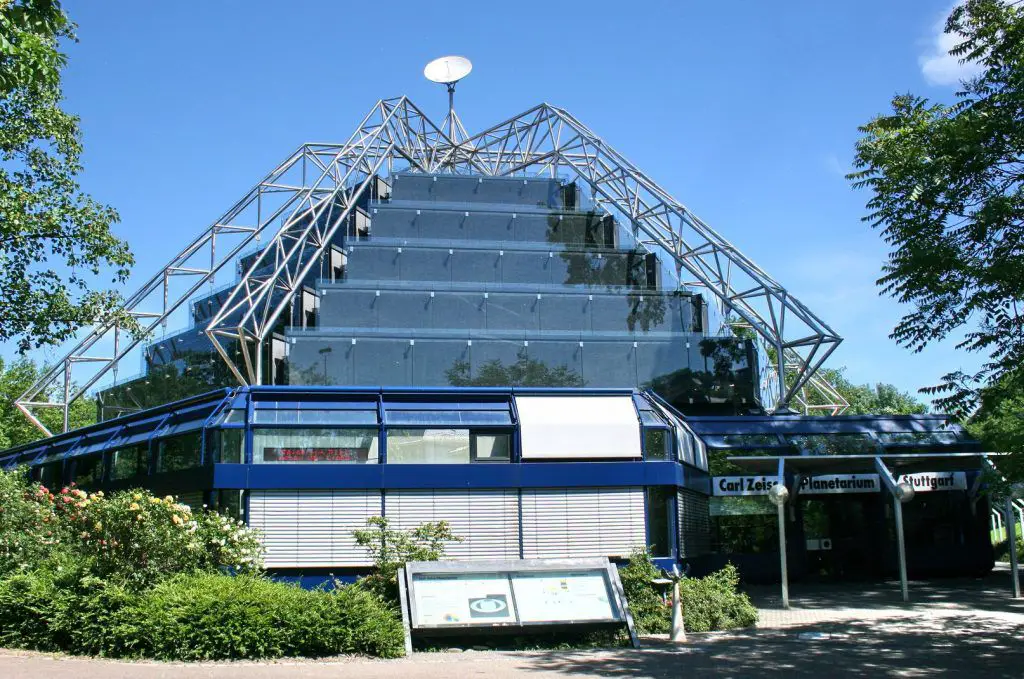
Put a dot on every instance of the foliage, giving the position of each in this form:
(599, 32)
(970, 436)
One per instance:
(999, 423)
(947, 192)
(650, 613)
(130, 538)
(709, 604)
(391, 549)
(200, 616)
(16, 378)
(45, 219)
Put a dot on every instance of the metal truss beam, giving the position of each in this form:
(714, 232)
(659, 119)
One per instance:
(545, 139)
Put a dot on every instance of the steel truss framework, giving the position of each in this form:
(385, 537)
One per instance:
(314, 191)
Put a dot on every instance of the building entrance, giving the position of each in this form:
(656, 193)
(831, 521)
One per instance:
(845, 537)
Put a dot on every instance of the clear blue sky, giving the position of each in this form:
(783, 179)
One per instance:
(746, 112)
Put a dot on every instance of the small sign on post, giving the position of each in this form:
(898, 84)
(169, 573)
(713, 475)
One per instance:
(516, 596)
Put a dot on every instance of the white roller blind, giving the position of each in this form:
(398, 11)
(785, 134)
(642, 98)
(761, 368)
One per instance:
(312, 527)
(570, 523)
(578, 427)
(486, 520)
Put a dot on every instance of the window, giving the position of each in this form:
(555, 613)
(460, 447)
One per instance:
(51, 474)
(127, 463)
(657, 444)
(225, 445)
(447, 446)
(314, 445)
(744, 525)
(659, 521)
(229, 503)
(179, 452)
(88, 470)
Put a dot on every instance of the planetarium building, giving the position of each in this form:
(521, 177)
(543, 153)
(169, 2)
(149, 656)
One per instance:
(515, 331)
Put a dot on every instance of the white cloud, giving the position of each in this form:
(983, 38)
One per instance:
(938, 66)
(836, 166)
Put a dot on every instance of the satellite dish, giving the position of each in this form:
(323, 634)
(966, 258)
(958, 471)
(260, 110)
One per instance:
(447, 70)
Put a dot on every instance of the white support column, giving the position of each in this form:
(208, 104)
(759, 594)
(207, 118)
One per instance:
(779, 494)
(901, 493)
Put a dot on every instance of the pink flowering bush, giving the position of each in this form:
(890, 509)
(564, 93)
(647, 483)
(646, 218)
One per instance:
(129, 537)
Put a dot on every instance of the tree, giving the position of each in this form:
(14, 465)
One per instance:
(55, 241)
(999, 422)
(15, 429)
(880, 399)
(947, 195)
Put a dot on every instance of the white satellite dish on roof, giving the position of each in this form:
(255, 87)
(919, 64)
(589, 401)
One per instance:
(448, 71)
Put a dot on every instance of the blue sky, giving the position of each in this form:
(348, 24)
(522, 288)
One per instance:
(746, 112)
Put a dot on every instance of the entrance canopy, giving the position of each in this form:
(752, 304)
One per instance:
(899, 463)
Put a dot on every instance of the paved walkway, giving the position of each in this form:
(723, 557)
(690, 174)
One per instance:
(951, 628)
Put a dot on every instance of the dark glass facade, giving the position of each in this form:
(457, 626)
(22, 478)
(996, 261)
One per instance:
(477, 281)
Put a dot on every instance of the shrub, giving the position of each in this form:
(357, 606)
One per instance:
(215, 617)
(29, 528)
(710, 603)
(391, 549)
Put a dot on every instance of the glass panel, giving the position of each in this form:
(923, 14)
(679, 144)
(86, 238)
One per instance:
(373, 264)
(609, 364)
(348, 308)
(833, 444)
(401, 309)
(230, 503)
(51, 474)
(178, 452)
(491, 226)
(496, 363)
(420, 264)
(532, 228)
(443, 224)
(458, 311)
(525, 267)
(662, 364)
(267, 416)
(555, 364)
(320, 361)
(385, 362)
(438, 363)
(507, 311)
(743, 525)
(127, 463)
(476, 266)
(659, 521)
(88, 470)
(657, 444)
(610, 313)
(389, 222)
(428, 446)
(492, 447)
(314, 445)
(228, 445)
(564, 312)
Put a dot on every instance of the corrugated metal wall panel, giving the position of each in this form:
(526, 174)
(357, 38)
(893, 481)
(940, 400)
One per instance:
(486, 520)
(312, 527)
(567, 523)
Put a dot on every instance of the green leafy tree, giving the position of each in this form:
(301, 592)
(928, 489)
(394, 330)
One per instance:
(55, 241)
(15, 429)
(391, 549)
(947, 193)
(999, 422)
(877, 399)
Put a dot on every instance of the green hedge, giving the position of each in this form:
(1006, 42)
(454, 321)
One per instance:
(195, 617)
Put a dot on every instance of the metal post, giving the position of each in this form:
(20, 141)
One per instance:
(1011, 543)
(782, 556)
(451, 111)
(901, 547)
(678, 631)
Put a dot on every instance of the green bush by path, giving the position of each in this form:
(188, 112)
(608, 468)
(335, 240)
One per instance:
(709, 604)
(201, 616)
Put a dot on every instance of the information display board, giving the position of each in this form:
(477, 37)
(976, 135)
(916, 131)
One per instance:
(445, 597)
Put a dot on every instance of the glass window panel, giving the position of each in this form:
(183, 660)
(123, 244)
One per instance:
(615, 269)
(303, 416)
(491, 226)
(833, 444)
(458, 311)
(385, 362)
(314, 445)
(658, 444)
(659, 521)
(564, 312)
(230, 503)
(610, 313)
(348, 308)
(497, 363)
(491, 447)
(476, 266)
(609, 364)
(319, 361)
(653, 313)
(512, 311)
(525, 267)
(428, 446)
(178, 452)
(373, 264)
(402, 309)
(663, 364)
(127, 463)
(532, 228)
(422, 264)
(390, 222)
(443, 224)
(438, 363)
(555, 364)
(88, 470)
(51, 474)
(449, 417)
